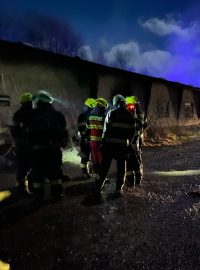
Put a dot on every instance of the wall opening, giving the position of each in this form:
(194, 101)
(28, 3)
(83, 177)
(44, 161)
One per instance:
(163, 109)
(189, 109)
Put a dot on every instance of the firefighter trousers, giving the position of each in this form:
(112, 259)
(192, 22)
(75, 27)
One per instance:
(47, 162)
(109, 153)
(85, 154)
(134, 167)
(96, 156)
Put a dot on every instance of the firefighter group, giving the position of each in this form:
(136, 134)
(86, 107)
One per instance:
(106, 131)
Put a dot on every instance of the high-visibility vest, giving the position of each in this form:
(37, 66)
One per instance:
(95, 124)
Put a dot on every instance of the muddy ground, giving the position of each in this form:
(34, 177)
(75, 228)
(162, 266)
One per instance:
(156, 226)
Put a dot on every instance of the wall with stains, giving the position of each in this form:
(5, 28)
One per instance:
(72, 80)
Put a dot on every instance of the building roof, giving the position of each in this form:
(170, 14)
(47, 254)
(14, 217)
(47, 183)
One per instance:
(24, 51)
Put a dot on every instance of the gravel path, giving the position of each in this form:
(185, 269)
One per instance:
(153, 227)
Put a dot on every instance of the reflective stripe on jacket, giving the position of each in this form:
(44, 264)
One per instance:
(119, 127)
(82, 122)
(95, 124)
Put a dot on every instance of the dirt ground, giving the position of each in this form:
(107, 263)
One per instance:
(155, 226)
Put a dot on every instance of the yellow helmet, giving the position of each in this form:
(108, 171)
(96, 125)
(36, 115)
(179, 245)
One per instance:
(26, 97)
(90, 102)
(131, 100)
(101, 102)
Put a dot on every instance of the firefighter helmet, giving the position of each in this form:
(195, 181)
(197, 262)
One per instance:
(26, 97)
(131, 100)
(43, 96)
(90, 102)
(102, 102)
(118, 99)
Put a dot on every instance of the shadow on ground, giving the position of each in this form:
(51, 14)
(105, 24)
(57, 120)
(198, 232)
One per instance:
(15, 208)
(79, 188)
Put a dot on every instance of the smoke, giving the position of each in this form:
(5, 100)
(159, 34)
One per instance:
(169, 25)
(122, 55)
(183, 48)
(130, 57)
(178, 61)
(85, 53)
(185, 66)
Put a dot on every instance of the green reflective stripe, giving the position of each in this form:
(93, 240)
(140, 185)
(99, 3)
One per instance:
(56, 182)
(95, 127)
(38, 185)
(95, 138)
(121, 125)
(97, 118)
(81, 124)
(83, 166)
(114, 140)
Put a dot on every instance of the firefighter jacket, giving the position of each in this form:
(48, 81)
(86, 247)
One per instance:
(48, 128)
(82, 121)
(22, 119)
(141, 121)
(120, 127)
(141, 116)
(95, 124)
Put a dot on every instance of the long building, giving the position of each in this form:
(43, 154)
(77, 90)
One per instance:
(72, 80)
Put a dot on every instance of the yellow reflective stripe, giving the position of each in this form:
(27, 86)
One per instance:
(122, 125)
(56, 182)
(4, 265)
(97, 118)
(81, 124)
(83, 166)
(114, 140)
(128, 173)
(95, 126)
(95, 138)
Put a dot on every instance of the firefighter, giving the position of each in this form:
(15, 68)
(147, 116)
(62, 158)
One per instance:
(134, 165)
(119, 127)
(48, 135)
(94, 132)
(20, 131)
(84, 144)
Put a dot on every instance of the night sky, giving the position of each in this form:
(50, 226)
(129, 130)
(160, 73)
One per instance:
(157, 38)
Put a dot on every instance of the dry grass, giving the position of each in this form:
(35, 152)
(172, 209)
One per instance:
(157, 136)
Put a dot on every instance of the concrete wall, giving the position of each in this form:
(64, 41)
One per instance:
(70, 86)
(111, 83)
(142, 89)
(188, 113)
(72, 80)
(160, 109)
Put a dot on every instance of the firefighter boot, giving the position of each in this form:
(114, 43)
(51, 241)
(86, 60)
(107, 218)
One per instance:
(57, 189)
(85, 173)
(98, 185)
(21, 187)
(138, 177)
(130, 179)
(38, 191)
